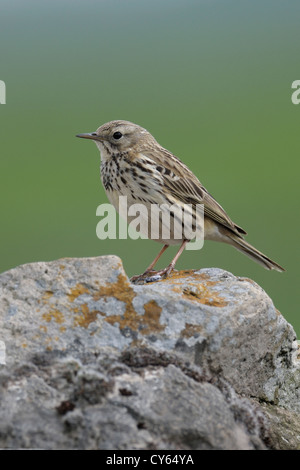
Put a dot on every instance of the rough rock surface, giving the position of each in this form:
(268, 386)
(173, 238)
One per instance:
(202, 360)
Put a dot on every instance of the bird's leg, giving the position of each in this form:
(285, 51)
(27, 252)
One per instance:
(156, 259)
(165, 272)
(151, 266)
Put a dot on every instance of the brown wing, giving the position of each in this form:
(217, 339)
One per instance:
(185, 187)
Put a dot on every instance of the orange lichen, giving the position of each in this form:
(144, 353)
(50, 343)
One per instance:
(203, 295)
(55, 315)
(151, 318)
(86, 317)
(76, 291)
(122, 291)
(198, 289)
(190, 330)
(190, 273)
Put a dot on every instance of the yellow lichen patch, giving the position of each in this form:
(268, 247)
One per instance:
(76, 291)
(86, 317)
(193, 277)
(198, 289)
(190, 330)
(122, 291)
(43, 328)
(151, 318)
(204, 295)
(186, 273)
(54, 315)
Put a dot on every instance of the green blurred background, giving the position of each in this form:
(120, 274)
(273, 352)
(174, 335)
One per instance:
(211, 80)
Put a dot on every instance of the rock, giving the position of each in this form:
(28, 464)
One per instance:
(201, 360)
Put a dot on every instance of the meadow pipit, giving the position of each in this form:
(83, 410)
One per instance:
(133, 164)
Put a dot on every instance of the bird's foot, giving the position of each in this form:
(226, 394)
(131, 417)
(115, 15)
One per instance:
(152, 276)
(147, 276)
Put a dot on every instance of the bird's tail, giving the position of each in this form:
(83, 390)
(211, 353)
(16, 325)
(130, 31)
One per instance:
(240, 244)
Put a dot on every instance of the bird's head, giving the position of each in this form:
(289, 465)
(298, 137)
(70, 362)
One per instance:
(118, 136)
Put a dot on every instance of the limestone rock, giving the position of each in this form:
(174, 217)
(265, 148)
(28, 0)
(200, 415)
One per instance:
(89, 360)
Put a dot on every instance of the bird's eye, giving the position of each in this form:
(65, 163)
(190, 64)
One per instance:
(117, 135)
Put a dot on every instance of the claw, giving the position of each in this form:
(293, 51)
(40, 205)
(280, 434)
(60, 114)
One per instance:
(152, 276)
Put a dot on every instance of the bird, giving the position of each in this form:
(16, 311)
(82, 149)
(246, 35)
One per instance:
(135, 165)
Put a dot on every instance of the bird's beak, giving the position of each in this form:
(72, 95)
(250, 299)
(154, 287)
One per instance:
(91, 135)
